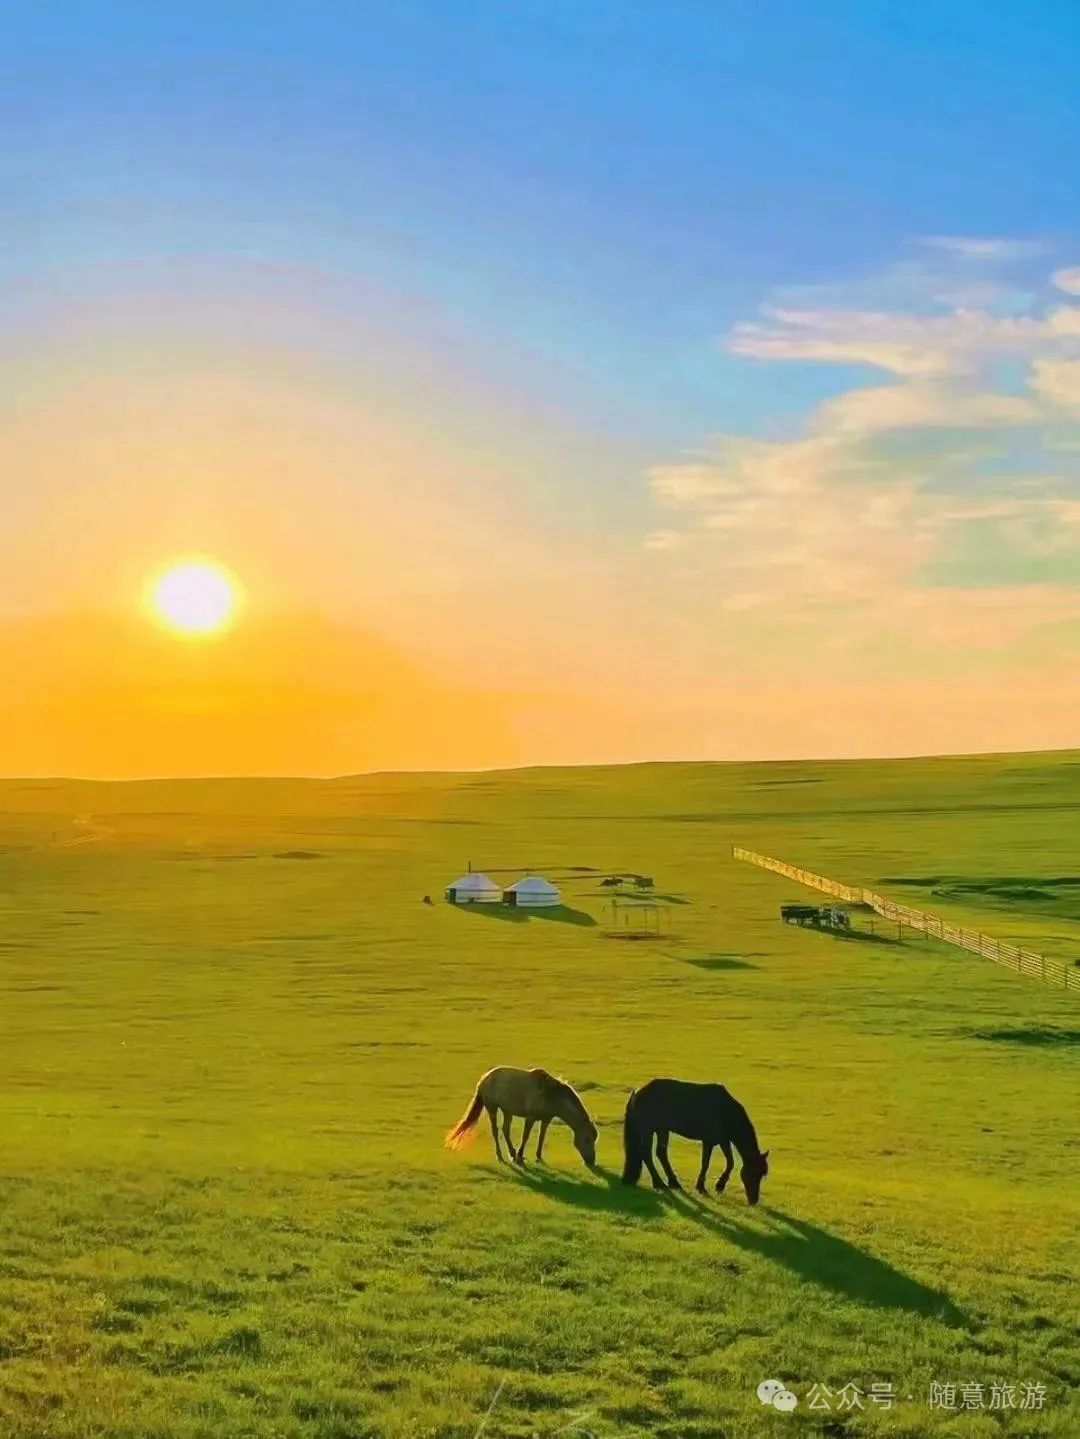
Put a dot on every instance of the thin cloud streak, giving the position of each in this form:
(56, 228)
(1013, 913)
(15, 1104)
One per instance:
(974, 247)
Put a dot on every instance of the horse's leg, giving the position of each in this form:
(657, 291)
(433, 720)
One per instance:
(662, 1136)
(493, 1118)
(706, 1156)
(524, 1140)
(493, 1115)
(540, 1142)
(508, 1119)
(647, 1143)
(729, 1165)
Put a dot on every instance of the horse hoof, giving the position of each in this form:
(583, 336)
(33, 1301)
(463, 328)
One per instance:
(701, 1189)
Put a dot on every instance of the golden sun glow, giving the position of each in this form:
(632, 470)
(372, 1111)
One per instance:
(194, 597)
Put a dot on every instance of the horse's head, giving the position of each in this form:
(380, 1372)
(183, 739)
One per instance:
(585, 1142)
(752, 1173)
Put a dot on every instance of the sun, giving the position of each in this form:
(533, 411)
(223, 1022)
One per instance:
(194, 597)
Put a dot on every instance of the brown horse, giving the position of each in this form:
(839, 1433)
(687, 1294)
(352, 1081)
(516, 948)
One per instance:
(530, 1094)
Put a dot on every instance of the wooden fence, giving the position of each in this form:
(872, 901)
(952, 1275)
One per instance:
(1023, 961)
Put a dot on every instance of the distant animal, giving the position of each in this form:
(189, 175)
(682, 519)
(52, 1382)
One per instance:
(611, 881)
(696, 1111)
(428, 899)
(800, 913)
(642, 881)
(533, 1095)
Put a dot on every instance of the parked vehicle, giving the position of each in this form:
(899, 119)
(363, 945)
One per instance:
(800, 914)
(835, 918)
(825, 916)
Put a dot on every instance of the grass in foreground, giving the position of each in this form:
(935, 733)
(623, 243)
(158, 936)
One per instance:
(228, 1072)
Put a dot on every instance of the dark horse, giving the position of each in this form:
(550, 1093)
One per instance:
(696, 1111)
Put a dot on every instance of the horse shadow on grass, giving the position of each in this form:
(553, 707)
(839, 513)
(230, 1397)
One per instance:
(558, 913)
(828, 1260)
(611, 1194)
(811, 1253)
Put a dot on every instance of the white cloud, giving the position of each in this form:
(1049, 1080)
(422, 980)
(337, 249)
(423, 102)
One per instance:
(892, 342)
(914, 286)
(1068, 279)
(687, 485)
(799, 518)
(913, 346)
(877, 493)
(974, 247)
(665, 540)
(894, 407)
(1064, 324)
(1058, 381)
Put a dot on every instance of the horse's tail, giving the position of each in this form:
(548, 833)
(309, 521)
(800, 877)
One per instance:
(461, 1133)
(633, 1148)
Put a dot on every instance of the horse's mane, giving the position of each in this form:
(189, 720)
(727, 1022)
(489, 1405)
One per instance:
(744, 1134)
(556, 1086)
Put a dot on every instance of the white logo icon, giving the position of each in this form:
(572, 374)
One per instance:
(776, 1393)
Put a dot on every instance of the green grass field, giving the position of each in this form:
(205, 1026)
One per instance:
(234, 1038)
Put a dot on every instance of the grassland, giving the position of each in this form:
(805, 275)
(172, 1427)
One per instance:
(234, 1037)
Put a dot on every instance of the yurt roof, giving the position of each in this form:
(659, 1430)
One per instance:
(472, 880)
(532, 884)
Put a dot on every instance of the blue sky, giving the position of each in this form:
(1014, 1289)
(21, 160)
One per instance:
(592, 193)
(723, 318)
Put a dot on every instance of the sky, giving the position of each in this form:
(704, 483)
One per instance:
(563, 383)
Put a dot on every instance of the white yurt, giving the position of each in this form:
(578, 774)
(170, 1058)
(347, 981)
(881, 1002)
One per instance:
(473, 889)
(534, 892)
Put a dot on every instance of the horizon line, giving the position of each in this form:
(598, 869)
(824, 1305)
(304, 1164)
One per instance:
(390, 773)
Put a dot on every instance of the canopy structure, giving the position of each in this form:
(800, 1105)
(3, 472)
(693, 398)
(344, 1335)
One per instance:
(532, 891)
(473, 889)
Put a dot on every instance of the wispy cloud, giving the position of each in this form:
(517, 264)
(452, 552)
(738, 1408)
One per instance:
(665, 540)
(991, 248)
(915, 346)
(1058, 381)
(962, 473)
(921, 405)
(1068, 279)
